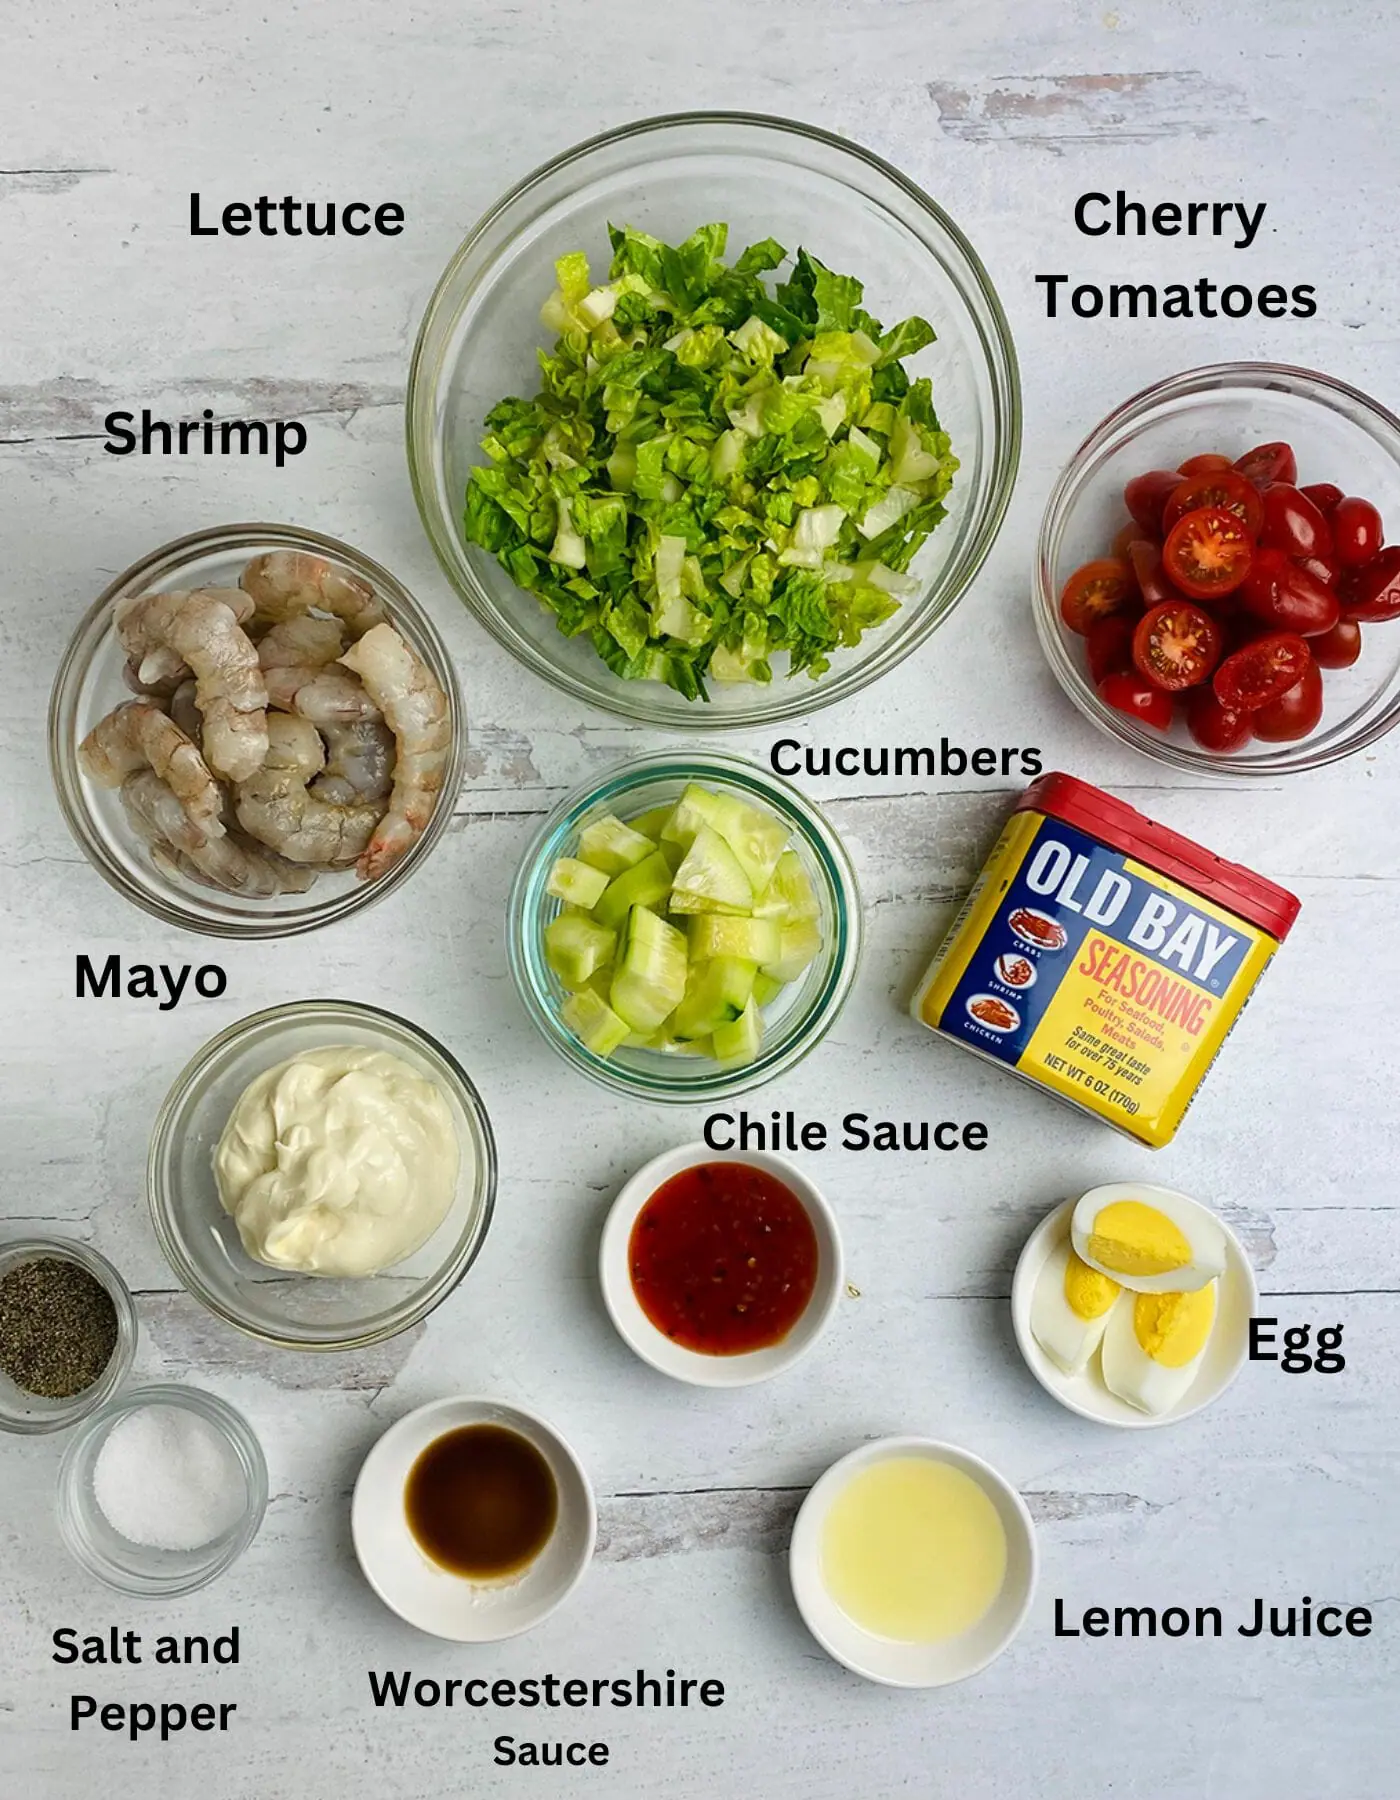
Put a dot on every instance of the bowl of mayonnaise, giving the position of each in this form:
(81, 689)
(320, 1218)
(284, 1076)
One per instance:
(322, 1175)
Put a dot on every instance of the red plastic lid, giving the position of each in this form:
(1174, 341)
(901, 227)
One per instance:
(1262, 902)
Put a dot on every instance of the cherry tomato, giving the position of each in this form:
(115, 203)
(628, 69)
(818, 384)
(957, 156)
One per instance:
(1176, 645)
(1197, 465)
(1293, 524)
(1146, 495)
(1108, 646)
(1129, 693)
(1356, 532)
(1127, 536)
(1339, 647)
(1321, 568)
(1217, 727)
(1253, 676)
(1207, 553)
(1146, 560)
(1221, 488)
(1284, 595)
(1095, 590)
(1295, 713)
(1268, 462)
(1374, 592)
(1323, 495)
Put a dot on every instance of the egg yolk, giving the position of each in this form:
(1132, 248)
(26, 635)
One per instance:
(1136, 1239)
(1087, 1293)
(1172, 1328)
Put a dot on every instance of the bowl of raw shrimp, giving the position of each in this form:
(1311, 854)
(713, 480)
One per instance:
(256, 730)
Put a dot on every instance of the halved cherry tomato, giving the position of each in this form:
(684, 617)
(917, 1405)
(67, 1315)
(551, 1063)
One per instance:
(1146, 495)
(1216, 727)
(1129, 693)
(1293, 524)
(1321, 568)
(1295, 713)
(1339, 647)
(1127, 536)
(1253, 676)
(1095, 590)
(1268, 462)
(1197, 465)
(1283, 594)
(1108, 646)
(1374, 592)
(1176, 645)
(1356, 531)
(1218, 488)
(1146, 560)
(1323, 495)
(1208, 552)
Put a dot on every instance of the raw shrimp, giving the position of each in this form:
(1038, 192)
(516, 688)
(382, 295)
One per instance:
(138, 735)
(415, 708)
(202, 627)
(275, 806)
(229, 863)
(184, 709)
(286, 583)
(359, 761)
(296, 657)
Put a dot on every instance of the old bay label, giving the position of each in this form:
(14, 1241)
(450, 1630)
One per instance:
(1094, 975)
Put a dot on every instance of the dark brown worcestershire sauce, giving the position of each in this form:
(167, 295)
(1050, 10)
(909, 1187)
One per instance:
(481, 1501)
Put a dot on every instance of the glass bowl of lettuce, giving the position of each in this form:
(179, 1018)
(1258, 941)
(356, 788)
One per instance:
(713, 419)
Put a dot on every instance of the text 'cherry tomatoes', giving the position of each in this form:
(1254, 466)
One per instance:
(1374, 592)
(1268, 462)
(1129, 693)
(1262, 671)
(1208, 553)
(1176, 645)
(1095, 590)
(1283, 594)
(1295, 713)
(1356, 531)
(1216, 727)
(1220, 488)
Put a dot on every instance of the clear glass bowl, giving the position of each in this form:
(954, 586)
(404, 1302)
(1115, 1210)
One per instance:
(142, 1569)
(793, 1024)
(28, 1414)
(201, 1241)
(1339, 434)
(765, 177)
(89, 684)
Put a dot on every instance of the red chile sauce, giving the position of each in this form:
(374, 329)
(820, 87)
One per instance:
(723, 1259)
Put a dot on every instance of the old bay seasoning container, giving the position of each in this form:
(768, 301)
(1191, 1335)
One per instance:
(1104, 957)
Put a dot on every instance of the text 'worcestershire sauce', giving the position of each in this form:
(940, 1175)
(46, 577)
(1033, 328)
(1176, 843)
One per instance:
(481, 1501)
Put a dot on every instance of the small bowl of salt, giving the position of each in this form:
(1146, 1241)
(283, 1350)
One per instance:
(161, 1491)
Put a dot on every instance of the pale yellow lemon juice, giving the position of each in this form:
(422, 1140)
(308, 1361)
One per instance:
(913, 1550)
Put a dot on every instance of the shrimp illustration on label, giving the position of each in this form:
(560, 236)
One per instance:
(1015, 971)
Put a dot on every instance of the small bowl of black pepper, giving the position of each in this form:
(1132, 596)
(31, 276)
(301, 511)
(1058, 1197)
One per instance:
(67, 1333)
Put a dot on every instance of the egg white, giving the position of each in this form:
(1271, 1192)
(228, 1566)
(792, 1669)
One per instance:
(1131, 1374)
(1196, 1223)
(1066, 1339)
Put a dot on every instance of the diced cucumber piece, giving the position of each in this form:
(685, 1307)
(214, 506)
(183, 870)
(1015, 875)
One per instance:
(576, 947)
(696, 807)
(789, 894)
(800, 943)
(738, 1041)
(577, 883)
(593, 1022)
(611, 846)
(647, 884)
(674, 855)
(651, 971)
(652, 824)
(710, 879)
(766, 988)
(715, 993)
(756, 837)
(754, 940)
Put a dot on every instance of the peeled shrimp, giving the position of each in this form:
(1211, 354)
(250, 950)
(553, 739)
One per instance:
(138, 735)
(184, 709)
(296, 658)
(226, 862)
(275, 806)
(287, 583)
(203, 629)
(406, 691)
(359, 761)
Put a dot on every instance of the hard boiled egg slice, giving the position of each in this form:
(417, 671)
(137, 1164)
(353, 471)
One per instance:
(1154, 1345)
(1148, 1238)
(1070, 1307)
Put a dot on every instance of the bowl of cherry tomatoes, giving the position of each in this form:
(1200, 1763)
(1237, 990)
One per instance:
(1213, 582)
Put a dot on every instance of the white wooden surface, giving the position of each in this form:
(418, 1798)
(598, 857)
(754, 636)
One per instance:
(108, 117)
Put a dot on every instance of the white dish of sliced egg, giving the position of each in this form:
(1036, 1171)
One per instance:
(1131, 1305)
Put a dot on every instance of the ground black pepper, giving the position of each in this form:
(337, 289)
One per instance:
(58, 1327)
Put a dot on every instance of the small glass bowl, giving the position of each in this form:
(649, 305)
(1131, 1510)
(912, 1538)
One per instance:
(90, 683)
(142, 1569)
(201, 1241)
(765, 177)
(29, 1415)
(1339, 434)
(793, 1024)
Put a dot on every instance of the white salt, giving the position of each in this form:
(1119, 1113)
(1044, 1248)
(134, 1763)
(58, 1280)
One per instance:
(167, 1478)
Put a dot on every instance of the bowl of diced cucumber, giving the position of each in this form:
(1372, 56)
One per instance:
(685, 927)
